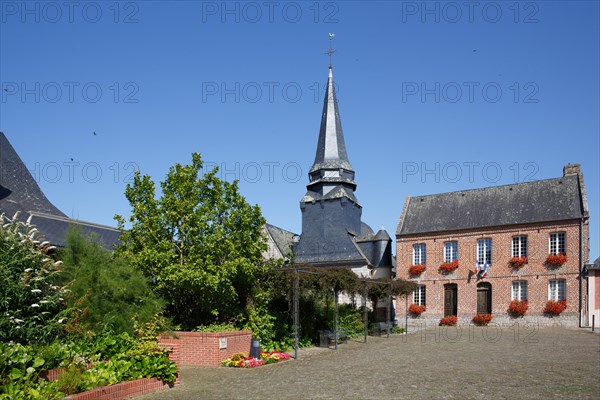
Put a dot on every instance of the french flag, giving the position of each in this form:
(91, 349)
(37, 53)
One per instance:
(481, 271)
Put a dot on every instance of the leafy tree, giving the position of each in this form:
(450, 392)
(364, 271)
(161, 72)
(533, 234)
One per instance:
(200, 243)
(29, 302)
(111, 292)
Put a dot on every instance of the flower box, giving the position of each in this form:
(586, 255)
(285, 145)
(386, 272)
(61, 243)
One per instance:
(555, 307)
(517, 308)
(482, 319)
(449, 267)
(556, 260)
(241, 360)
(517, 262)
(415, 270)
(449, 321)
(416, 309)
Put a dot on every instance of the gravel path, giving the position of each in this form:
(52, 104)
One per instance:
(471, 363)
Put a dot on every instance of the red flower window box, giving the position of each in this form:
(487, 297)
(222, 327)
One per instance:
(416, 309)
(449, 267)
(482, 319)
(415, 270)
(555, 307)
(518, 308)
(449, 321)
(517, 262)
(556, 260)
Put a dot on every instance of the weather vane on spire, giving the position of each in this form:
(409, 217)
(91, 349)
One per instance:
(331, 50)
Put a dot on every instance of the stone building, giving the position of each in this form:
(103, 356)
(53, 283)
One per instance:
(488, 233)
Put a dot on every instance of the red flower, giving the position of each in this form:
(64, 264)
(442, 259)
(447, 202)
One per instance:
(415, 270)
(556, 260)
(449, 267)
(416, 309)
(518, 308)
(449, 321)
(517, 262)
(482, 319)
(555, 307)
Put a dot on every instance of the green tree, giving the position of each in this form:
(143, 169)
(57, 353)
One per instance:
(200, 243)
(29, 302)
(111, 291)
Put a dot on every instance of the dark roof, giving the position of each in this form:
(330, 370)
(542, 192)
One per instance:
(20, 193)
(18, 186)
(283, 239)
(540, 201)
(594, 265)
(331, 148)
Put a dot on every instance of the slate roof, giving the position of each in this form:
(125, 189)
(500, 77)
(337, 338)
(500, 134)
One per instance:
(19, 192)
(331, 148)
(595, 264)
(283, 239)
(540, 201)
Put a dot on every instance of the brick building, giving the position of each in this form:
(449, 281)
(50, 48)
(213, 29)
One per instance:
(481, 230)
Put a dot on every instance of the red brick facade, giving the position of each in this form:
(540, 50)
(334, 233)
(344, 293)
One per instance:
(202, 348)
(462, 284)
(499, 274)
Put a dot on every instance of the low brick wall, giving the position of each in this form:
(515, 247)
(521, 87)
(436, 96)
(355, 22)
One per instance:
(122, 390)
(205, 348)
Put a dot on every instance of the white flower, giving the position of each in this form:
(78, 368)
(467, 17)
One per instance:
(36, 291)
(60, 320)
(18, 321)
(28, 270)
(44, 302)
(35, 305)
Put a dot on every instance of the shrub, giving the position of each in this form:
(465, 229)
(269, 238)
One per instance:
(416, 309)
(555, 307)
(225, 327)
(449, 321)
(29, 299)
(518, 308)
(482, 319)
(449, 267)
(415, 270)
(517, 262)
(556, 260)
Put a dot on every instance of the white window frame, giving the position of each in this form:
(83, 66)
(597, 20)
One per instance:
(557, 243)
(519, 246)
(484, 251)
(419, 253)
(420, 295)
(519, 291)
(555, 287)
(451, 251)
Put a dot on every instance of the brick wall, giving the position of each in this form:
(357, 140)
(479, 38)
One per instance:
(122, 390)
(202, 348)
(500, 275)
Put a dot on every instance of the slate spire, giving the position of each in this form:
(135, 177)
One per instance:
(331, 160)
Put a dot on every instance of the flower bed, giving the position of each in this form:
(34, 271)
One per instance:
(449, 321)
(555, 307)
(482, 319)
(556, 260)
(517, 308)
(517, 262)
(449, 267)
(241, 360)
(415, 270)
(416, 309)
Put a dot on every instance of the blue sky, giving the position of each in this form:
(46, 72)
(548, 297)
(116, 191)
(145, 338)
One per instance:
(434, 97)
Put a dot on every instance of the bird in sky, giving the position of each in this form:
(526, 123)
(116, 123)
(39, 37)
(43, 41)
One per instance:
(95, 133)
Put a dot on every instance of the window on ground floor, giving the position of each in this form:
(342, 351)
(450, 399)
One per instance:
(557, 289)
(519, 290)
(419, 295)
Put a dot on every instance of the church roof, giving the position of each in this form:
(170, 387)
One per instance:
(331, 148)
(539, 201)
(282, 238)
(20, 193)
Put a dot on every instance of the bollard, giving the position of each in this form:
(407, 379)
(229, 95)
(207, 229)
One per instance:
(593, 322)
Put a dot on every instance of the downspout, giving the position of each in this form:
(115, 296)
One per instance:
(581, 272)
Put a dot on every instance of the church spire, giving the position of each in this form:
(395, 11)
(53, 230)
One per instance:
(331, 148)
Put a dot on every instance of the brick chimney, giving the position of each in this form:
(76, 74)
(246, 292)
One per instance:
(571, 169)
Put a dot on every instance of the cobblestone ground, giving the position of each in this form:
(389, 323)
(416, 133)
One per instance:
(472, 363)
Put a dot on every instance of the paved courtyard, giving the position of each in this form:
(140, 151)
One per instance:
(473, 363)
